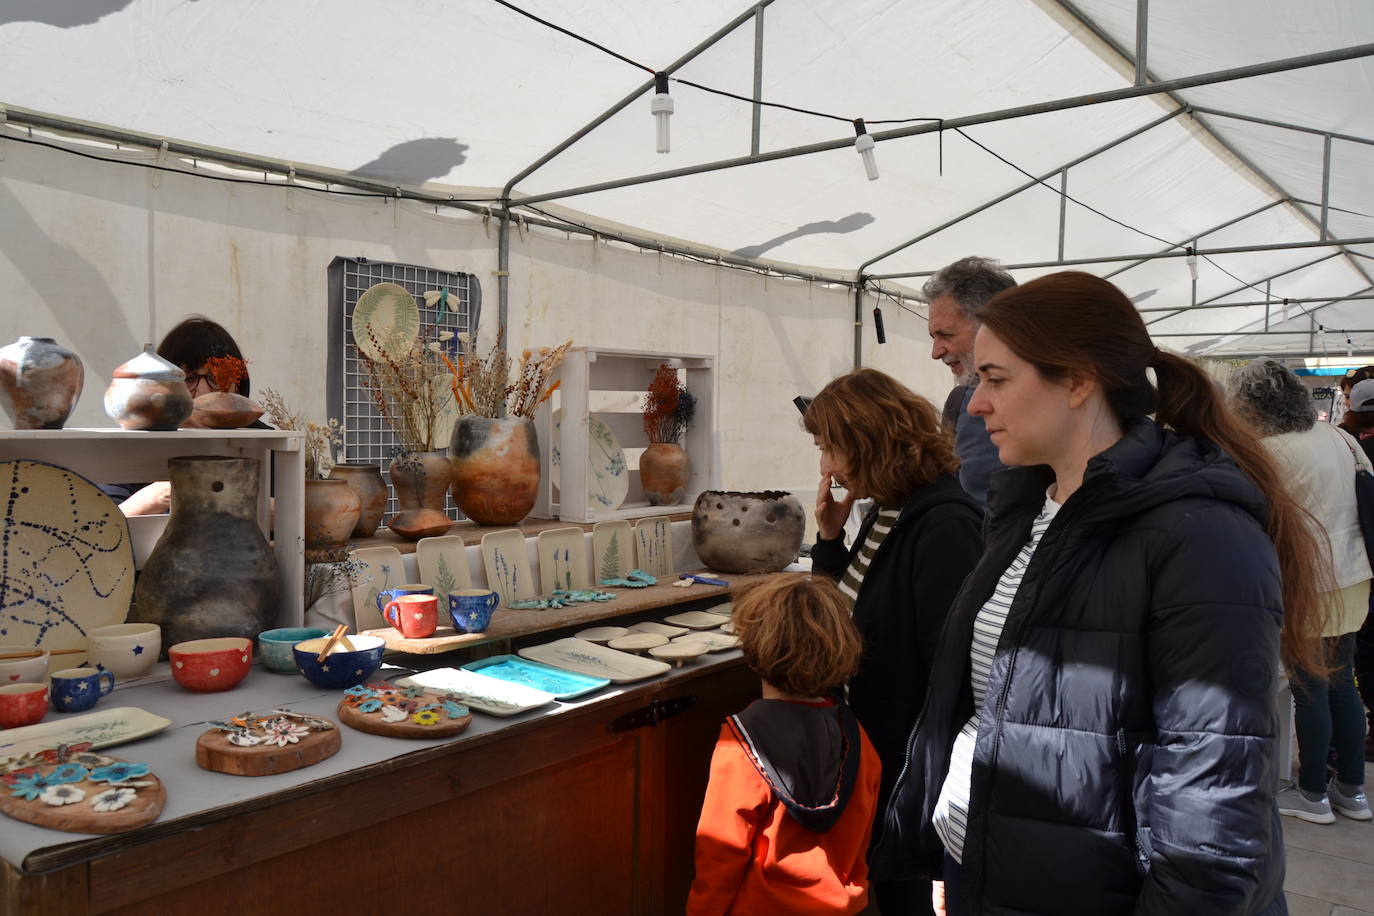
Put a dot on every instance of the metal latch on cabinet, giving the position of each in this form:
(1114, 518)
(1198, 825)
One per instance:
(652, 714)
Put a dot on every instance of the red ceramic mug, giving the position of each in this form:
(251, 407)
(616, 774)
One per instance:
(415, 616)
(22, 704)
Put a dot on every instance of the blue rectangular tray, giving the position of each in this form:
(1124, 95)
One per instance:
(564, 685)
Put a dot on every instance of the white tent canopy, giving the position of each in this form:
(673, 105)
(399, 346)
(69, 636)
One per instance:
(457, 98)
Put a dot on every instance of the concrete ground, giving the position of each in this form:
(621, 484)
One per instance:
(1331, 866)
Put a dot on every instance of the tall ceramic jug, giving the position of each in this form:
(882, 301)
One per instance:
(211, 573)
(40, 382)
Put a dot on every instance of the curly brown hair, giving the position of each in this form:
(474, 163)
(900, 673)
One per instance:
(797, 633)
(890, 436)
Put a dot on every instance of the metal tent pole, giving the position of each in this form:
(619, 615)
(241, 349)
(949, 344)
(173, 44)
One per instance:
(1256, 303)
(1203, 234)
(1244, 286)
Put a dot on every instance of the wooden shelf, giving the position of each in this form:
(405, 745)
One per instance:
(471, 533)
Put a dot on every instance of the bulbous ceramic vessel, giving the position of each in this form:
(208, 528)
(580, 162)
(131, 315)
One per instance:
(366, 480)
(747, 532)
(495, 468)
(331, 513)
(663, 473)
(421, 481)
(40, 382)
(148, 393)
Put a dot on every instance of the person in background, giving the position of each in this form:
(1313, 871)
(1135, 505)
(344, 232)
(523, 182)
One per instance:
(1359, 422)
(955, 294)
(1318, 462)
(1099, 734)
(881, 441)
(794, 780)
(1359, 414)
(189, 345)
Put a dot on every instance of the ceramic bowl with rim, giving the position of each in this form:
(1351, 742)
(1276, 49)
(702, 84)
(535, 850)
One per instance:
(274, 646)
(30, 668)
(211, 665)
(126, 650)
(340, 669)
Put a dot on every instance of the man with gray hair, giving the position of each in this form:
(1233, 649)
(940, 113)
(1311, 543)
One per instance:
(955, 294)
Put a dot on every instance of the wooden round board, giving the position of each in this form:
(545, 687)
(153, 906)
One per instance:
(374, 724)
(215, 752)
(81, 816)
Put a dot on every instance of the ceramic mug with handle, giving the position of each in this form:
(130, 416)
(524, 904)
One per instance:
(78, 689)
(471, 609)
(396, 591)
(413, 616)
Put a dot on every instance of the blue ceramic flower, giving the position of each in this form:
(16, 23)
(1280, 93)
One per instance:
(119, 772)
(454, 710)
(369, 705)
(360, 691)
(67, 772)
(29, 787)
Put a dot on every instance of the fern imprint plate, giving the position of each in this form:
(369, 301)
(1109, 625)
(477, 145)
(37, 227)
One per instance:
(443, 563)
(613, 550)
(582, 657)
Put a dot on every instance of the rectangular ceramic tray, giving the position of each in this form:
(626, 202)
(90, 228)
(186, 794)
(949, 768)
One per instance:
(564, 685)
(102, 728)
(588, 658)
(490, 695)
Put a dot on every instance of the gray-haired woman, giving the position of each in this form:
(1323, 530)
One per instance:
(1319, 461)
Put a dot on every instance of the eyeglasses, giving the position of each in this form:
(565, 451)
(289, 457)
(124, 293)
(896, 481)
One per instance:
(195, 379)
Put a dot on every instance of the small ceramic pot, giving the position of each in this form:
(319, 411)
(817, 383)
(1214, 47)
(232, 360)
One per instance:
(421, 481)
(30, 669)
(366, 480)
(340, 669)
(396, 591)
(211, 665)
(78, 689)
(663, 473)
(413, 616)
(274, 647)
(747, 532)
(128, 650)
(148, 392)
(331, 514)
(222, 410)
(22, 704)
(495, 468)
(40, 382)
(470, 609)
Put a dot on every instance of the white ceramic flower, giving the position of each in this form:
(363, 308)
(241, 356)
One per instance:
(62, 795)
(285, 733)
(393, 714)
(113, 799)
(243, 739)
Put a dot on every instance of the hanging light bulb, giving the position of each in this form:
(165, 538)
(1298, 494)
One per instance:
(864, 144)
(662, 107)
(1191, 259)
(1349, 347)
(1284, 313)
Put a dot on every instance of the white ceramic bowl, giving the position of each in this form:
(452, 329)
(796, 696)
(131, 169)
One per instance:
(126, 650)
(32, 669)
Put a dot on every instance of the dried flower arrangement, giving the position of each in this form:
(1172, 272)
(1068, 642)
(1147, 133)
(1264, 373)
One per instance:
(410, 389)
(323, 579)
(482, 386)
(226, 372)
(320, 439)
(668, 407)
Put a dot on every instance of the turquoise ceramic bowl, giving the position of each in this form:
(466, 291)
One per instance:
(274, 646)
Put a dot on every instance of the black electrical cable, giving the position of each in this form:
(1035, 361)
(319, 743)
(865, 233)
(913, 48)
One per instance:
(571, 34)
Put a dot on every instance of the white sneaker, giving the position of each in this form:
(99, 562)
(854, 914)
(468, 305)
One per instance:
(1353, 806)
(1294, 803)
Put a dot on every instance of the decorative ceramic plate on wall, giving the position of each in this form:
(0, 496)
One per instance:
(66, 559)
(385, 321)
(608, 479)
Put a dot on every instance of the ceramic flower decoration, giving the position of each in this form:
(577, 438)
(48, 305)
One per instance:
(113, 799)
(243, 739)
(67, 772)
(119, 772)
(393, 714)
(62, 795)
(29, 786)
(369, 705)
(284, 732)
(426, 717)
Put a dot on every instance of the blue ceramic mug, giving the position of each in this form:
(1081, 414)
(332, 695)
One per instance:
(471, 608)
(78, 689)
(387, 595)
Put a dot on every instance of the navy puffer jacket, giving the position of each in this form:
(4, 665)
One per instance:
(1125, 761)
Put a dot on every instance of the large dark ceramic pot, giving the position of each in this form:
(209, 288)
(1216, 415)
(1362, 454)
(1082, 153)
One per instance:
(663, 473)
(495, 468)
(747, 532)
(211, 573)
(40, 382)
(421, 482)
(148, 393)
(331, 513)
(366, 480)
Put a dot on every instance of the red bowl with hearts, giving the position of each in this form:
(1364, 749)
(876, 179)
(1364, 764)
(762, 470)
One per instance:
(211, 665)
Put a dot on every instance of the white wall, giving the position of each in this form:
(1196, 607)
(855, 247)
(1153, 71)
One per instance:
(75, 265)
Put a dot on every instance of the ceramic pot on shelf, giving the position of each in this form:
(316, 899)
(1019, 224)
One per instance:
(421, 481)
(148, 393)
(366, 480)
(747, 532)
(663, 473)
(331, 513)
(495, 468)
(223, 410)
(40, 382)
(211, 573)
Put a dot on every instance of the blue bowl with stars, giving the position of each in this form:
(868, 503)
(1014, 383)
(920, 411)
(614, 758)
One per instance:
(340, 668)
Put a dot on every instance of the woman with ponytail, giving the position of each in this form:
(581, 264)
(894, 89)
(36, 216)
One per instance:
(1099, 734)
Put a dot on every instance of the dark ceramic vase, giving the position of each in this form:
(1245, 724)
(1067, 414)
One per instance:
(366, 480)
(148, 393)
(663, 473)
(495, 468)
(40, 382)
(747, 532)
(212, 572)
(331, 513)
(421, 482)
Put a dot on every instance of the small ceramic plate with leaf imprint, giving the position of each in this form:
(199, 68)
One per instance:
(588, 658)
(713, 640)
(697, 620)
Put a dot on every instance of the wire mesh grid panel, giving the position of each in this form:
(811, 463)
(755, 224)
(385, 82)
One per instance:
(368, 439)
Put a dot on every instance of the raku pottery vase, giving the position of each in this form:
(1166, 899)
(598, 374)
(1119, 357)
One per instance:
(223, 410)
(366, 480)
(211, 573)
(331, 513)
(148, 393)
(495, 468)
(663, 473)
(421, 481)
(40, 381)
(747, 532)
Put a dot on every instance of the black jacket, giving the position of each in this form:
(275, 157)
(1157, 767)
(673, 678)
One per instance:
(910, 584)
(1125, 761)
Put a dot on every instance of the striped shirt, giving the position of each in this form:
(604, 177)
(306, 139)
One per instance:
(853, 578)
(951, 809)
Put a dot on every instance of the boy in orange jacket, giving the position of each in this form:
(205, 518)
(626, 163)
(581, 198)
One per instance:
(794, 780)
